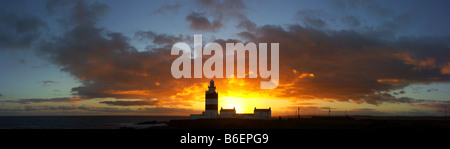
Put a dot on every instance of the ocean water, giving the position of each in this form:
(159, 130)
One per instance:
(77, 122)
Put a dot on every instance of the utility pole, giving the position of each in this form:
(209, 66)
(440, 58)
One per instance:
(445, 112)
(329, 111)
(298, 112)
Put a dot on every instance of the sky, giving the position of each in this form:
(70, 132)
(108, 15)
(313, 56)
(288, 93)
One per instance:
(112, 57)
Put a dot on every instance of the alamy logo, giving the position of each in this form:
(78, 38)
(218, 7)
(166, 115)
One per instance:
(216, 60)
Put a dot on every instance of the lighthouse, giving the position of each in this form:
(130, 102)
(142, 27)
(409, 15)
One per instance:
(211, 101)
(212, 108)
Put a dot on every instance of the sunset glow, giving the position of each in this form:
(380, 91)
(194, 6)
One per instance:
(108, 57)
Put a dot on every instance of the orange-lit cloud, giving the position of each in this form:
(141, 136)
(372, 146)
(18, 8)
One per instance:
(315, 65)
(360, 72)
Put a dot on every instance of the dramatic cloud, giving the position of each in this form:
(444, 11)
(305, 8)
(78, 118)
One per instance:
(41, 100)
(354, 61)
(219, 11)
(80, 11)
(199, 22)
(131, 103)
(446, 69)
(160, 39)
(338, 65)
(248, 25)
(351, 66)
(312, 18)
(19, 30)
(223, 9)
(109, 67)
(102, 62)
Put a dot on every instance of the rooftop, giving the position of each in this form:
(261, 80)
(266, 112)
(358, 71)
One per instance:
(262, 110)
(227, 110)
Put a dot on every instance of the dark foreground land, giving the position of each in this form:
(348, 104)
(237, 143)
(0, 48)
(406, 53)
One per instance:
(323, 132)
(308, 123)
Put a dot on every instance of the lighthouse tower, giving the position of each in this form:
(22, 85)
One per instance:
(211, 101)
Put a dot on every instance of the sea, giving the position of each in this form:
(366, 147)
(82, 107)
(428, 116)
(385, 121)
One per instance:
(81, 122)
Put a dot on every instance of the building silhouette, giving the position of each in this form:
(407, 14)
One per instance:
(227, 113)
(262, 113)
(211, 108)
(211, 101)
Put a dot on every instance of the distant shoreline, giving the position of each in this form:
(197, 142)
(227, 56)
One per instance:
(316, 122)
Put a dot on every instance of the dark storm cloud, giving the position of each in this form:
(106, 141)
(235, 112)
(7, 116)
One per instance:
(83, 50)
(363, 71)
(312, 18)
(51, 4)
(200, 23)
(223, 9)
(248, 25)
(132, 103)
(107, 65)
(106, 61)
(344, 65)
(160, 39)
(41, 100)
(218, 11)
(351, 66)
(19, 30)
(81, 12)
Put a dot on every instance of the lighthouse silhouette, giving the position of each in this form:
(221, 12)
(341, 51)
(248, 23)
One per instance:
(212, 108)
(211, 101)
